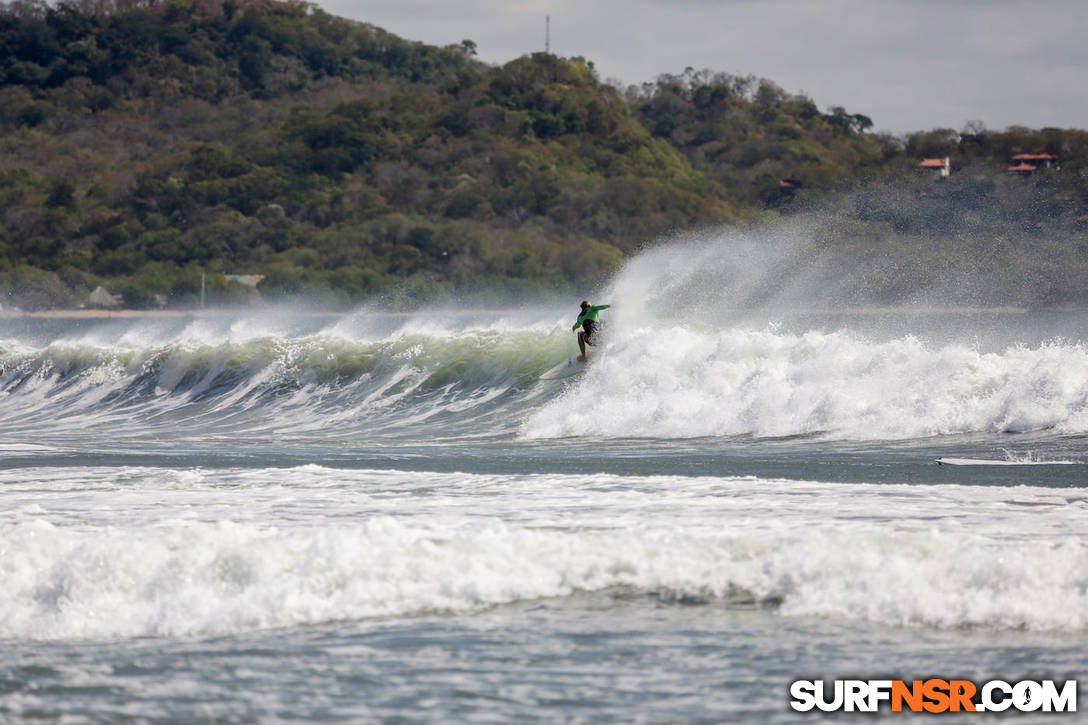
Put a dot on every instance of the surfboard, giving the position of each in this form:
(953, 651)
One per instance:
(565, 369)
(991, 462)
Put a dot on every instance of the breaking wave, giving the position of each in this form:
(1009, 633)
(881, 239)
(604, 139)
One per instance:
(330, 382)
(712, 337)
(801, 548)
(680, 383)
(648, 380)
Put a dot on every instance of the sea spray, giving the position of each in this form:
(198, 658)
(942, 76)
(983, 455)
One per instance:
(744, 333)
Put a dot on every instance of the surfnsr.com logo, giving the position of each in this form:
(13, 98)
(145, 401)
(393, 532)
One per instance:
(933, 695)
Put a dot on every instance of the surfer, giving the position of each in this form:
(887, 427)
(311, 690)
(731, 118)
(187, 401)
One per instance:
(589, 321)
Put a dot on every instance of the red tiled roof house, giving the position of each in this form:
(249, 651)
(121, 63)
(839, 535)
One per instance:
(1026, 164)
(943, 167)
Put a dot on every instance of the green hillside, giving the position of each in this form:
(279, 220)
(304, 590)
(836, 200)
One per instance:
(143, 146)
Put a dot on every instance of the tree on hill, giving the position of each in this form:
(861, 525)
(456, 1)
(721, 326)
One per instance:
(164, 136)
(747, 135)
(143, 143)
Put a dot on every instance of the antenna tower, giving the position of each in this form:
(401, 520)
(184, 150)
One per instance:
(547, 33)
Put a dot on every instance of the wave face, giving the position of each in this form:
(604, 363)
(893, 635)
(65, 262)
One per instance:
(376, 375)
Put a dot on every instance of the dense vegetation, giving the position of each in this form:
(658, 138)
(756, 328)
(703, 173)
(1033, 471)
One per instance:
(142, 144)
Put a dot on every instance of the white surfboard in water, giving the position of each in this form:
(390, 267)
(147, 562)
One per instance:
(991, 462)
(565, 369)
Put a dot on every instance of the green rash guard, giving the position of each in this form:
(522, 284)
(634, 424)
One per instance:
(590, 314)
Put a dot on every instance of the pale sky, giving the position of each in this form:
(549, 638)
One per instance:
(908, 64)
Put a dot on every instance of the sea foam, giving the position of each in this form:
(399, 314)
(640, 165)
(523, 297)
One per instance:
(227, 552)
(681, 382)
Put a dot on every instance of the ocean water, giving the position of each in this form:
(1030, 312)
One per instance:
(284, 517)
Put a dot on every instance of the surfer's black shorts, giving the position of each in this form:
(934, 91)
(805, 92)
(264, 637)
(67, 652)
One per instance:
(590, 327)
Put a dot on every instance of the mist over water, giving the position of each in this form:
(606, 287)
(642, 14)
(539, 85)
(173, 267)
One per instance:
(817, 263)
